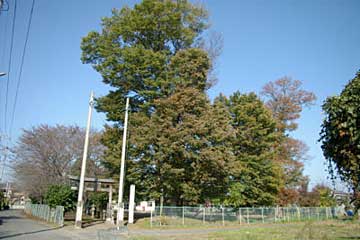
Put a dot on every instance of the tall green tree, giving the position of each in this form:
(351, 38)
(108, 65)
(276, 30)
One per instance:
(340, 136)
(255, 176)
(182, 151)
(146, 52)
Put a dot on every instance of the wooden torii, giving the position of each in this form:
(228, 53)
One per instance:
(97, 186)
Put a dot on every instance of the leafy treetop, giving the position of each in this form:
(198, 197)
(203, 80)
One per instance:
(340, 135)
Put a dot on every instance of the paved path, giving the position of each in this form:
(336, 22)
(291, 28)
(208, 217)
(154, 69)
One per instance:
(13, 225)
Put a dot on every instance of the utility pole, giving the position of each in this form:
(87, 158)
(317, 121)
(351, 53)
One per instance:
(80, 203)
(120, 211)
(5, 149)
(4, 164)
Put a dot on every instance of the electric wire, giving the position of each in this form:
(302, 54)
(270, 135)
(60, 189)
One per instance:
(9, 66)
(21, 66)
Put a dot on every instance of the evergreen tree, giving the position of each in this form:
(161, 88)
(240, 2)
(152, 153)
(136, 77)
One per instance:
(183, 151)
(255, 177)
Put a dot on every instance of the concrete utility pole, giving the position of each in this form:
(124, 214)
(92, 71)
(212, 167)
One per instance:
(120, 211)
(4, 165)
(80, 203)
(3, 139)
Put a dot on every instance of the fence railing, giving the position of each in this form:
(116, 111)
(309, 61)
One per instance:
(44, 212)
(231, 216)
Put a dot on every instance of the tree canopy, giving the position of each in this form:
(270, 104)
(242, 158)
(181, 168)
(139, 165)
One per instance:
(181, 151)
(255, 176)
(148, 51)
(286, 98)
(340, 136)
(182, 147)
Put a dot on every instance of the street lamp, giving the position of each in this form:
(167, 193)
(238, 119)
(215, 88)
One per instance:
(2, 74)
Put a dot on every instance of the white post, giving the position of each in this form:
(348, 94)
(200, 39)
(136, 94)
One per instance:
(120, 212)
(79, 208)
(131, 203)
(262, 215)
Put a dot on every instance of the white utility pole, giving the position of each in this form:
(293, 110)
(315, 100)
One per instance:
(3, 140)
(120, 211)
(80, 203)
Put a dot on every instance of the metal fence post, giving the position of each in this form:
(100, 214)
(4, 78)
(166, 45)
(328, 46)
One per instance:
(151, 217)
(327, 212)
(289, 214)
(262, 215)
(203, 215)
(223, 217)
(183, 215)
(240, 216)
(248, 215)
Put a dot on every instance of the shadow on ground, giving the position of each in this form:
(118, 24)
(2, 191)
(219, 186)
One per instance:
(3, 234)
(7, 218)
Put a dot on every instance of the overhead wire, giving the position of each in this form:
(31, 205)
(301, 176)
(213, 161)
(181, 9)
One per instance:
(9, 66)
(21, 66)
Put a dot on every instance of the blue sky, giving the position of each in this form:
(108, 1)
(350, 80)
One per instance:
(316, 42)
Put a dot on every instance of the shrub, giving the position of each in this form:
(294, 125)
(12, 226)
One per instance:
(61, 195)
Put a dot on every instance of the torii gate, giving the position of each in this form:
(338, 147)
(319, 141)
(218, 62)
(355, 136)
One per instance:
(97, 186)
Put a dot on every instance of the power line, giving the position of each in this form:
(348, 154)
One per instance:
(21, 66)
(9, 66)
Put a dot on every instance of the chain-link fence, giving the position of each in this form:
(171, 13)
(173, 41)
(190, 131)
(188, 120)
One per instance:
(231, 216)
(44, 212)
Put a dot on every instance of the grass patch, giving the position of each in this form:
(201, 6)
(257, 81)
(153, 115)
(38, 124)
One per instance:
(325, 230)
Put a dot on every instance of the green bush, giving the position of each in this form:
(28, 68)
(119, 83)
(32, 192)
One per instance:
(99, 199)
(61, 195)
